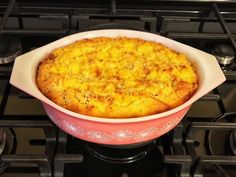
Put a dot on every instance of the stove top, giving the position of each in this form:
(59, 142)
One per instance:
(203, 144)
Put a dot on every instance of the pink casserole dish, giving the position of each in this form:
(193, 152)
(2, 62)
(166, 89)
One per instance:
(115, 131)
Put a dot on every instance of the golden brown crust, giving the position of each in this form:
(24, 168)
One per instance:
(117, 77)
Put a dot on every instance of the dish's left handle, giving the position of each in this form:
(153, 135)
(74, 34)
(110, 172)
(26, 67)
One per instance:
(24, 73)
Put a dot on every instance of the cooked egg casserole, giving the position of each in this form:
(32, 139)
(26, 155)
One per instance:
(117, 77)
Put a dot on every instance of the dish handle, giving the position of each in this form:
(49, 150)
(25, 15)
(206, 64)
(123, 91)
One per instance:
(24, 73)
(210, 72)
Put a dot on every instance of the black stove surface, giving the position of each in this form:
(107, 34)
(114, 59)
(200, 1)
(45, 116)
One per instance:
(203, 144)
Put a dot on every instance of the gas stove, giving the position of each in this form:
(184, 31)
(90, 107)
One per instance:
(203, 144)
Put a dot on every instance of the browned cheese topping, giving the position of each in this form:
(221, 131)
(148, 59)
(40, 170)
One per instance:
(117, 77)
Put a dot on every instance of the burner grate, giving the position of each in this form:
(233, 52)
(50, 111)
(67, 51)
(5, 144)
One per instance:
(206, 160)
(43, 161)
(179, 147)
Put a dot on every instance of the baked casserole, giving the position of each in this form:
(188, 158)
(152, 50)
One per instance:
(117, 77)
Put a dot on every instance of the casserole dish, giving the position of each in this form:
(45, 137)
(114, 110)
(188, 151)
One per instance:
(115, 131)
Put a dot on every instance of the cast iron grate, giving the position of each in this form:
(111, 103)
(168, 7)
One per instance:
(151, 16)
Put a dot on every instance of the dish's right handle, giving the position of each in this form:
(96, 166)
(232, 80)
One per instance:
(210, 72)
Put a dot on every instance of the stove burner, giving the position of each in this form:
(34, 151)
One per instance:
(232, 142)
(139, 161)
(2, 140)
(225, 144)
(121, 154)
(7, 146)
(130, 146)
(10, 48)
(225, 137)
(224, 54)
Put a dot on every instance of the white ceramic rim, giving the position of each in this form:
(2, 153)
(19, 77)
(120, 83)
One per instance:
(217, 77)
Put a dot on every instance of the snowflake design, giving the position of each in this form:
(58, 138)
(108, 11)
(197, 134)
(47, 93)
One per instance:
(55, 119)
(169, 125)
(51, 115)
(99, 136)
(73, 129)
(144, 134)
(122, 135)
